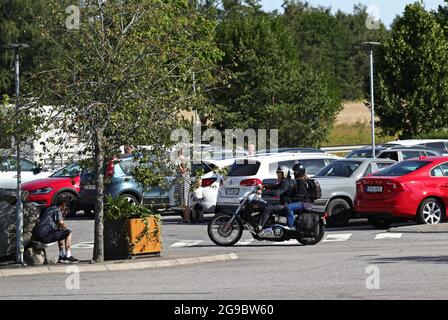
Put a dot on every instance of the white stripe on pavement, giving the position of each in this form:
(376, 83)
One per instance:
(83, 245)
(337, 237)
(245, 242)
(388, 236)
(291, 242)
(186, 243)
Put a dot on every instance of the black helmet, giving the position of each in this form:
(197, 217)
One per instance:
(299, 169)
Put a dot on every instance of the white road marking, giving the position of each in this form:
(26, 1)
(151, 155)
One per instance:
(83, 245)
(337, 237)
(388, 236)
(291, 242)
(186, 243)
(245, 242)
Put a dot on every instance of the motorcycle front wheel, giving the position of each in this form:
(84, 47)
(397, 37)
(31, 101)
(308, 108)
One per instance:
(222, 232)
(319, 232)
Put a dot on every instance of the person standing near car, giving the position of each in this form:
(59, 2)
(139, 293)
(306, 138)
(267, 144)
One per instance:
(184, 188)
(301, 198)
(51, 228)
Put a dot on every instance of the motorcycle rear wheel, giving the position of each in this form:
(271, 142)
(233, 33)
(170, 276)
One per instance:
(221, 236)
(320, 231)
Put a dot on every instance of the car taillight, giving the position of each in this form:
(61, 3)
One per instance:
(110, 169)
(208, 182)
(396, 186)
(250, 182)
(359, 186)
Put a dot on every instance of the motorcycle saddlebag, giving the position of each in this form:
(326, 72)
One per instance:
(307, 223)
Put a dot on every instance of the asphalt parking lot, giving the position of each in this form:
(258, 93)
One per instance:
(408, 266)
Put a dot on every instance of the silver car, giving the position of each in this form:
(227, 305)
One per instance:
(338, 183)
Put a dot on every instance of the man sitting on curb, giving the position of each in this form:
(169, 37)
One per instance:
(51, 228)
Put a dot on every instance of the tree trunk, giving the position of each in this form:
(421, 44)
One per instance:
(98, 249)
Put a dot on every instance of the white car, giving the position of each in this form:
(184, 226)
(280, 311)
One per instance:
(210, 184)
(8, 172)
(251, 171)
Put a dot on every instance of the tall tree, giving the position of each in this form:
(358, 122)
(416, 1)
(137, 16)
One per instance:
(412, 93)
(266, 75)
(123, 76)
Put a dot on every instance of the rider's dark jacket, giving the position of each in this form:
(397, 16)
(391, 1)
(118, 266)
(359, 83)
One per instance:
(286, 188)
(300, 192)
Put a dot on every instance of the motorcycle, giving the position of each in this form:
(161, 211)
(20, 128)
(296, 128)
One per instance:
(226, 229)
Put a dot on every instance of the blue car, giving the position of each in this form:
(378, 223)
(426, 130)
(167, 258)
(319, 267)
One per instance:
(120, 182)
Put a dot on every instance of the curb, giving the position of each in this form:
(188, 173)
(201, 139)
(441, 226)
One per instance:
(108, 267)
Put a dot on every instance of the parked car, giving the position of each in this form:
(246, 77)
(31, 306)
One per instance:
(251, 171)
(397, 153)
(210, 183)
(8, 172)
(440, 145)
(338, 184)
(415, 189)
(121, 183)
(63, 183)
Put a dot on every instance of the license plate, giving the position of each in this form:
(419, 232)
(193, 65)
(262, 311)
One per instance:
(90, 187)
(374, 189)
(229, 200)
(232, 191)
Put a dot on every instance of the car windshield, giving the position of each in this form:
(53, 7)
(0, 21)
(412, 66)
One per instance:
(401, 169)
(244, 169)
(68, 171)
(339, 169)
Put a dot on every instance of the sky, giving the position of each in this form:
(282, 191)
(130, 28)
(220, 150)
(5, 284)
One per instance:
(388, 9)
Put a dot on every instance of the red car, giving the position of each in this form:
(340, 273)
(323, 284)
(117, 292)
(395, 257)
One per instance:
(65, 181)
(415, 189)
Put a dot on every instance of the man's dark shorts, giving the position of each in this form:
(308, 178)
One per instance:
(53, 236)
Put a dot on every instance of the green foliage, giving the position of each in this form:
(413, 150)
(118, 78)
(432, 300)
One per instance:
(268, 86)
(119, 208)
(412, 75)
(435, 134)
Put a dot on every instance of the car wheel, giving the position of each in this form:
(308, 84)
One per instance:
(72, 203)
(130, 198)
(431, 211)
(339, 211)
(380, 223)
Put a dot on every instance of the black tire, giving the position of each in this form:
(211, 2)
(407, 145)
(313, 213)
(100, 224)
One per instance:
(431, 211)
(339, 211)
(380, 223)
(320, 231)
(220, 220)
(73, 203)
(131, 198)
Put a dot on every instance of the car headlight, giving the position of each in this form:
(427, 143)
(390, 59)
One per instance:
(41, 191)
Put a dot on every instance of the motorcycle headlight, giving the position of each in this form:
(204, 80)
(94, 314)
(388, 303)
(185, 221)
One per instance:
(42, 191)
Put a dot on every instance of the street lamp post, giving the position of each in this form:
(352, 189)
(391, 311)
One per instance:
(371, 45)
(19, 203)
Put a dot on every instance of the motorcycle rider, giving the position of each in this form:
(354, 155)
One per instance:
(301, 200)
(286, 187)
